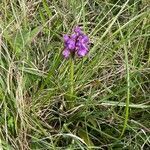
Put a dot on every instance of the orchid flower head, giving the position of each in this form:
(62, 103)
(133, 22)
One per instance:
(76, 43)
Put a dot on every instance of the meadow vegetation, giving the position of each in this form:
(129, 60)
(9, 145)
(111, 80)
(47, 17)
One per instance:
(111, 95)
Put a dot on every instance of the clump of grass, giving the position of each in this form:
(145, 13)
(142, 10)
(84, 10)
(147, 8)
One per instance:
(111, 85)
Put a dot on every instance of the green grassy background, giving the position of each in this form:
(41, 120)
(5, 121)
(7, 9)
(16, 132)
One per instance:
(111, 85)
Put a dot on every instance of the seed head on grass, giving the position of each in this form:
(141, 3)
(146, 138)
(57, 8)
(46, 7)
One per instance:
(76, 43)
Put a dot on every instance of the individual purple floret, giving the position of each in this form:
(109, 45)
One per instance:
(66, 53)
(76, 43)
(77, 30)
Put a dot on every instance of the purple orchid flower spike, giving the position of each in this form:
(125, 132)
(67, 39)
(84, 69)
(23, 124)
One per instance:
(76, 43)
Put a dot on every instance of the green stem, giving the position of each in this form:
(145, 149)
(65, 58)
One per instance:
(71, 76)
(128, 86)
(128, 95)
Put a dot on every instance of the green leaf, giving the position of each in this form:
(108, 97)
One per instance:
(20, 39)
(47, 8)
(84, 135)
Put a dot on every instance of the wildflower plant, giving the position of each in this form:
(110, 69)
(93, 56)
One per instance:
(76, 44)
